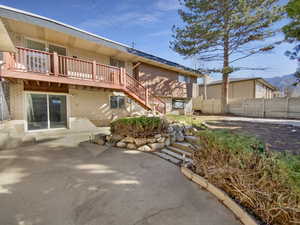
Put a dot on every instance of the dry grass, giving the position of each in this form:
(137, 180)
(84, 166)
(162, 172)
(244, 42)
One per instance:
(266, 183)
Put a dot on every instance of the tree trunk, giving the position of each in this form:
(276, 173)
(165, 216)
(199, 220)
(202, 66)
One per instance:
(226, 69)
(226, 72)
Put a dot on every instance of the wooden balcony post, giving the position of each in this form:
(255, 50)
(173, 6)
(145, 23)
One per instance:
(94, 70)
(55, 64)
(6, 62)
(147, 96)
(123, 76)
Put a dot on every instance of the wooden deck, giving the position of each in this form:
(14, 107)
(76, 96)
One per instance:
(29, 64)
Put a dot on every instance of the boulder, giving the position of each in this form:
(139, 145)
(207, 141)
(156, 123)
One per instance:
(179, 136)
(140, 141)
(108, 137)
(121, 144)
(157, 136)
(168, 141)
(145, 148)
(116, 137)
(128, 140)
(170, 129)
(131, 146)
(161, 139)
(99, 139)
(157, 146)
(151, 140)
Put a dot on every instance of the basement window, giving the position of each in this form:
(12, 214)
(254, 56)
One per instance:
(117, 102)
(178, 104)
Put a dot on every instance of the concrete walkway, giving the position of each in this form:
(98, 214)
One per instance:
(85, 185)
(295, 123)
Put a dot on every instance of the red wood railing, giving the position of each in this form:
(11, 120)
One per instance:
(29, 60)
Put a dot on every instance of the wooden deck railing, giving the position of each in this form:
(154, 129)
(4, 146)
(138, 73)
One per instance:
(52, 64)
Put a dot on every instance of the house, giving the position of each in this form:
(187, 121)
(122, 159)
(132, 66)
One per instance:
(53, 74)
(240, 88)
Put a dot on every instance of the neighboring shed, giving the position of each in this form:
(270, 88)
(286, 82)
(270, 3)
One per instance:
(245, 88)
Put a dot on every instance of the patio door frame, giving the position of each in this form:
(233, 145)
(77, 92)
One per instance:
(48, 111)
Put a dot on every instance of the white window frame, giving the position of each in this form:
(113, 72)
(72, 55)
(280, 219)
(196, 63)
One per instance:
(124, 107)
(46, 93)
(47, 43)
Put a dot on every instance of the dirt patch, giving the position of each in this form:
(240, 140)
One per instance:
(278, 137)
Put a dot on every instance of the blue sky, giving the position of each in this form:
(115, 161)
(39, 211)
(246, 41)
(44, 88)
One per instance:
(148, 24)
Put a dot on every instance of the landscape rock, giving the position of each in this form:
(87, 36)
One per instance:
(161, 139)
(99, 139)
(168, 142)
(131, 146)
(170, 129)
(145, 148)
(108, 137)
(157, 136)
(179, 137)
(121, 144)
(140, 141)
(128, 140)
(151, 140)
(116, 137)
(157, 146)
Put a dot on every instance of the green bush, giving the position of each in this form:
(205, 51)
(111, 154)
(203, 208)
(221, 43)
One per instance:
(266, 183)
(138, 126)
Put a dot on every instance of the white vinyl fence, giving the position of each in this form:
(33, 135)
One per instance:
(272, 108)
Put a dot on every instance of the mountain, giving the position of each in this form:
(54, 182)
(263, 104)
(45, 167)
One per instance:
(282, 82)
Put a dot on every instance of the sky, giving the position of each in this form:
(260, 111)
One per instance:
(147, 24)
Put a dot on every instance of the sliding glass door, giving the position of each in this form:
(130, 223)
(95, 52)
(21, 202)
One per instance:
(45, 111)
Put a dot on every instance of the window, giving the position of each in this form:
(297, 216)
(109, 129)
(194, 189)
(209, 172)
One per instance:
(117, 63)
(178, 104)
(184, 79)
(40, 46)
(45, 111)
(58, 49)
(117, 102)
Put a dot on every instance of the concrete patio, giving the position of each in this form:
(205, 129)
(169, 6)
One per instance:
(92, 185)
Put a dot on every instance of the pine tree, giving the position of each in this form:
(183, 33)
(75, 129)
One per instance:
(221, 30)
(292, 32)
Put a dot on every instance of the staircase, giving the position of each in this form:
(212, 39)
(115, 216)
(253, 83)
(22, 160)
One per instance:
(179, 152)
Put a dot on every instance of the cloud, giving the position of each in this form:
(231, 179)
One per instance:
(167, 5)
(129, 18)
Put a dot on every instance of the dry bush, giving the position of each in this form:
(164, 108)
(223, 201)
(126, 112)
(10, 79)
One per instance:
(138, 126)
(267, 184)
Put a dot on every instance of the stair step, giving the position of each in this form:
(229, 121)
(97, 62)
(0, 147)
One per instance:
(192, 139)
(167, 157)
(178, 150)
(176, 155)
(184, 146)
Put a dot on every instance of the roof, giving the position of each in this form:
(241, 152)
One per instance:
(232, 80)
(24, 16)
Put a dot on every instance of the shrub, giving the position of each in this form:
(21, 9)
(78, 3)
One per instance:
(266, 183)
(138, 126)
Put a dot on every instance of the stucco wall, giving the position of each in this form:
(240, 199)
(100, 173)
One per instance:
(16, 94)
(164, 82)
(243, 89)
(91, 104)
(95, 105)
